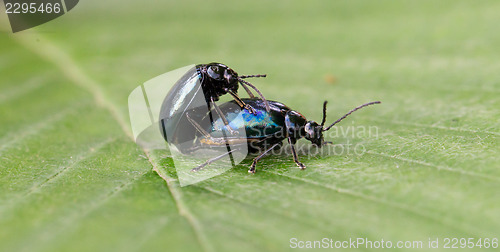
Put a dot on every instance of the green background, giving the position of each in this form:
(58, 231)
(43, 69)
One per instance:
(72, 178)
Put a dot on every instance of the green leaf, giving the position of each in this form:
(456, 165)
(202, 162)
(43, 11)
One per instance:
(72, 178)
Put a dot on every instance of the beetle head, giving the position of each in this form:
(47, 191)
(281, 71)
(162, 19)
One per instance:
(314, 133)
(223, 76)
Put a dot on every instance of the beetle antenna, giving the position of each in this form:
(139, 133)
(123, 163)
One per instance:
(252, 76)
(243, 82)
(324, 114)
(350, 112)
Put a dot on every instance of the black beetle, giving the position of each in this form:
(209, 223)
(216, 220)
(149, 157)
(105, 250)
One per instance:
(218, 79)
(263, 129)
(197, 91)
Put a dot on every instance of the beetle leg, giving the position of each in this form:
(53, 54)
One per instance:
(241, 103)
(243, 83)
(294, 153)
(197, 126)
(248, 91)
(255, 160)
(226, 123)
(199, 167)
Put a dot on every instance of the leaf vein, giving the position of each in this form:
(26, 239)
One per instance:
(181, 207)
(437, 127)
(401, 207)
(13, 138)
(438, 167)
(46, 50)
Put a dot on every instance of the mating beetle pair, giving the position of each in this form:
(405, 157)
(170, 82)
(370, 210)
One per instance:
(266, 124)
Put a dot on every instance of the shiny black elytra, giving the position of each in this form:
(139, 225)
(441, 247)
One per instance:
(265, 130)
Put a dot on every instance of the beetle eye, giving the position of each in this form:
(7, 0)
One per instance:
(213, 72)
(309, 131)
